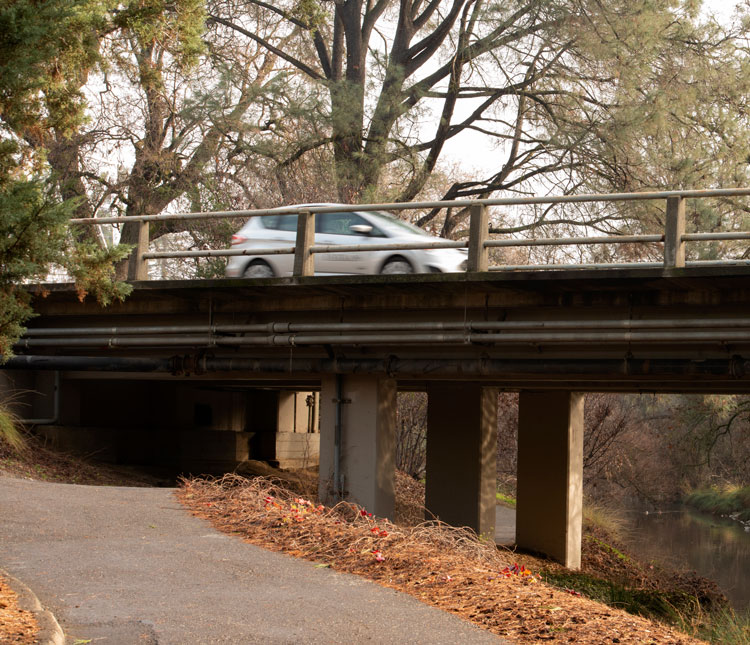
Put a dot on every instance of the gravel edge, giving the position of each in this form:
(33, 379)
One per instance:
(50, 632)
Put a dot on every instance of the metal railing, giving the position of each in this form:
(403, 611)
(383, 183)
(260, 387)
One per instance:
(479, 243)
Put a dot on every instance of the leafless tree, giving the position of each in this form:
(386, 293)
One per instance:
(411, 433)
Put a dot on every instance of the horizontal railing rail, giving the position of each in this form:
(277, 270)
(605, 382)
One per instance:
(565, 241)
(479, 243)
(211, 253)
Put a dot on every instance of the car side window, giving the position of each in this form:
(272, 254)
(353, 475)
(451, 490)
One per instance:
(341, 224)
(279, 222)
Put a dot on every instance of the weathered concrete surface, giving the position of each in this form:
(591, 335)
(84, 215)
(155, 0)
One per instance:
(368, 441)
(461, 455)
(505, 525)
(130, 565)
(715, 299)
(550, 475)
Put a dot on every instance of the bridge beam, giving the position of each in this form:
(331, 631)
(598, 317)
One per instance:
(550, 475)
(358, 441)
(462, 455)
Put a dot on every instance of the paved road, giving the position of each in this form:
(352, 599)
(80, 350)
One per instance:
(505, 525)
(125, 566)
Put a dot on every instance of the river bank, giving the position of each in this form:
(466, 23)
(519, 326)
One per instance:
(615, 572)
(684, 539)
(727, 501)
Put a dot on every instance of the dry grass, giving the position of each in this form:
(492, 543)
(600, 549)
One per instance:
(10, 435)
(443, 566)
(36, 461)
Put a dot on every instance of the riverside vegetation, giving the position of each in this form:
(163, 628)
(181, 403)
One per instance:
(727, 501)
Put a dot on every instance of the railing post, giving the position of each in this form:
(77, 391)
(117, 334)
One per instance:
(141, 263)
(478, 232)
(304, 263)
(674, 247)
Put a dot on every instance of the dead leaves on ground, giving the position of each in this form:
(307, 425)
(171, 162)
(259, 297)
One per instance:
(443, 566)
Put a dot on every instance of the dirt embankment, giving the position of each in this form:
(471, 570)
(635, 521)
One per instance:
(443, 566)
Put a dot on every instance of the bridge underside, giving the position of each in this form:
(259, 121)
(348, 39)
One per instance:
(358, 340)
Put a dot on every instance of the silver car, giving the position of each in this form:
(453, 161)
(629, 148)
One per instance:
(349, 228)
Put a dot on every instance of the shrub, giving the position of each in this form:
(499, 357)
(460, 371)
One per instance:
(10, 435)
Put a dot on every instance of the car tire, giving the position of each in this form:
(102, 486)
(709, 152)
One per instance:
(258, 269)
(397, 265)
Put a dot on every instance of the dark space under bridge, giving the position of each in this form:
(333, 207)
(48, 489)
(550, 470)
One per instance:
(207, 373)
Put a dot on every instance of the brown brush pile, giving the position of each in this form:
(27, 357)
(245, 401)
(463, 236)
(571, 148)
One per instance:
(443, 566)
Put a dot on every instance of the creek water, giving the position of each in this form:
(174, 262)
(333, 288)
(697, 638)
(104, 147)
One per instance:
(715, 548)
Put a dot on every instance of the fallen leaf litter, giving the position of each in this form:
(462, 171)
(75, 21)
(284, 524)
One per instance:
(446, 567)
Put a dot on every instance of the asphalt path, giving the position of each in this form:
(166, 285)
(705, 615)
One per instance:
(505, 525)
(121, 566)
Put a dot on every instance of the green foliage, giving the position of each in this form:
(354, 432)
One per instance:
(676, 119)
(176, 25)
(715, 624)
(608, 548)
(311, 13)
(723, 626)
(92, 268)
(32, 235)
(506, 500)
(673, 599)
(44, 50)
(643, 602)
(726, 500)
(211, 268)
(32, 230)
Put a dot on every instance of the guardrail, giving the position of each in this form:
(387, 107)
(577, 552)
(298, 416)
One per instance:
(479, 243)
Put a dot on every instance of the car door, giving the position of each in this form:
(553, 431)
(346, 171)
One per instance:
(279, 231)
(345, 228)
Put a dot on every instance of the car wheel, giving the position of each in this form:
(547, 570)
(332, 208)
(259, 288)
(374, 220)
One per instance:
(258, 269)
(397, 265)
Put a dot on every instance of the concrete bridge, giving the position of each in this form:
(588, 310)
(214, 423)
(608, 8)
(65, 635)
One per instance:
(213, 365)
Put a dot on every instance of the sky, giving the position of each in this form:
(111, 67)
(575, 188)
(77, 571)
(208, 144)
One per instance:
(471, 152)
(722, 9)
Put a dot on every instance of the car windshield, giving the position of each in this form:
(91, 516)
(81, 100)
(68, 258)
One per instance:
(393, 223)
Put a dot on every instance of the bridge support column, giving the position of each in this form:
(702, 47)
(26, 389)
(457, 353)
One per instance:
(550, 475)
(365, 445)
(462, 455)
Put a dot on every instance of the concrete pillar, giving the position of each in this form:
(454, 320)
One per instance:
(367, 449)
(550, 475)
(462, 455)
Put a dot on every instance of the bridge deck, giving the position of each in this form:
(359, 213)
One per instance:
(634, 329)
